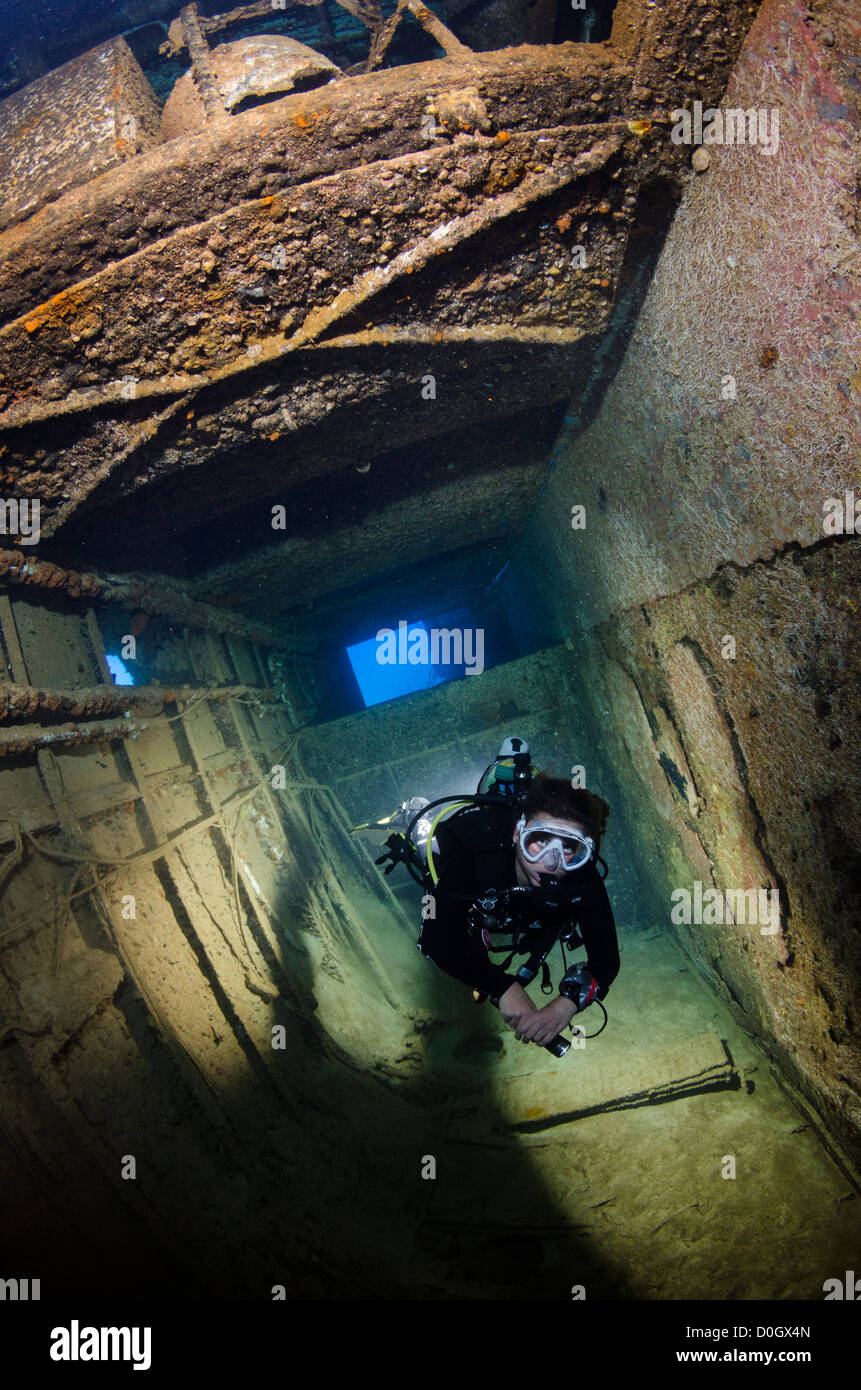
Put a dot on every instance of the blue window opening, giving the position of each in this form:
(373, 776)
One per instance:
(121, 675)
(411, 656)
(378, 681)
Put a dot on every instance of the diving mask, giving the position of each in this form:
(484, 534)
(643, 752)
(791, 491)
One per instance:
(559, 848)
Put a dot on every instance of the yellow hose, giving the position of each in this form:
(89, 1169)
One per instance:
(428, 847)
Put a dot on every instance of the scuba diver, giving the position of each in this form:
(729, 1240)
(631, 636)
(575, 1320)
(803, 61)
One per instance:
(519, 872)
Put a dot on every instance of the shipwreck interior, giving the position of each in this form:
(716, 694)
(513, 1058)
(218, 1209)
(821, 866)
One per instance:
(319, 318)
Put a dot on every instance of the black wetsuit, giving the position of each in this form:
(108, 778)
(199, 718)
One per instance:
(476, 855)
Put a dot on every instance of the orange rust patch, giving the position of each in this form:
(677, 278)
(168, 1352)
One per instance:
(301, 121)
(63, 306)
(502, 136)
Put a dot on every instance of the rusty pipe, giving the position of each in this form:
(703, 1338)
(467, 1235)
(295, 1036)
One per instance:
(157, 599)
(23, 701)
(201, 66)
(16, 741)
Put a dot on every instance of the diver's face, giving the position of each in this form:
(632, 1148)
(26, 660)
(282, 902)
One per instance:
(531, 875)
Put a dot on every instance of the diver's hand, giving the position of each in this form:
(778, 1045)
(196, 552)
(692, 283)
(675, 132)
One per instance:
(542, 1026)
(516, 1006)
(396, 852)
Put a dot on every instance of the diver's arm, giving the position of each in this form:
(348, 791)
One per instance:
(598, 930)
(516, 1007)
(444, 938)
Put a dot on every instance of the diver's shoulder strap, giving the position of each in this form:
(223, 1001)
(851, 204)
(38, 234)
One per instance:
(478, 830)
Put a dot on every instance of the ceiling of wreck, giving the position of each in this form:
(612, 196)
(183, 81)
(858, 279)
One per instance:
(370, 302)
(47, 33)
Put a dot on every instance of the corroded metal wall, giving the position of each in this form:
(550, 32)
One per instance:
(167, 901)
(722, 609)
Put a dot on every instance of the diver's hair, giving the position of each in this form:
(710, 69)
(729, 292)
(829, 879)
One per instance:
(553, 796)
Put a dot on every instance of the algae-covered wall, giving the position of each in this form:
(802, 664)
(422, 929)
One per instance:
(707, 586)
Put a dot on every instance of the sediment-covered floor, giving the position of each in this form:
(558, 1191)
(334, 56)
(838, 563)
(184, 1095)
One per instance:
(326, 1196)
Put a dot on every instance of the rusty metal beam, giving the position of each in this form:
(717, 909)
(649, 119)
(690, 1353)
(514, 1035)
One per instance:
(159, 599)
(24, 740)
(201, 66)
(17, 568)
(371, 16)
(443, 238)
(22, 701)
(383, 37)
(144, 434)
(605, 141)
(78, 273)
(448, 42)
(450, 235)
(176, 42)
(479, 333)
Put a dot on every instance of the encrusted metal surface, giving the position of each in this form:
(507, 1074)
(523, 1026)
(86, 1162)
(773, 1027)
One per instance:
(248, 68)
(62, 130)
(208, 325)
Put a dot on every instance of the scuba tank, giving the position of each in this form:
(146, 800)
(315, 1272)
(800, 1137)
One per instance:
(510, 772)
